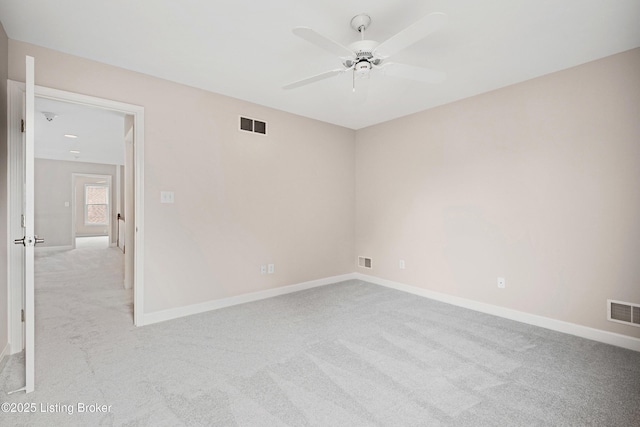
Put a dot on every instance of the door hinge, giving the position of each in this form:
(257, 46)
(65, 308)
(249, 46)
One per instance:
(22, 315)
(22, 125)
(23, 221)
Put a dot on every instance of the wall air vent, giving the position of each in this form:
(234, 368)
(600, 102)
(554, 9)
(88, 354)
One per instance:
(623, 312)
(253, 125)
(364, 262)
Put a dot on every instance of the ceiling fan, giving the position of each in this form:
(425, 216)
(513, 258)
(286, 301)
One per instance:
(363, 56)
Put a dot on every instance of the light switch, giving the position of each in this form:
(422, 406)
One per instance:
(166, 197)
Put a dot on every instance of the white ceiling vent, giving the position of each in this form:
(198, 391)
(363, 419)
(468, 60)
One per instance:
(623, 312)
(252, 125)
(364, 262)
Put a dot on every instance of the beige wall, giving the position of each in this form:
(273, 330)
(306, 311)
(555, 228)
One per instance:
(537, 182)
(4, 300)
(53, 187)
(241, 200)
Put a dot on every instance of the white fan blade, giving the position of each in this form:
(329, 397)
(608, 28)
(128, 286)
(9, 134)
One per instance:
(323, 42)
(314, 79)
(410, 35)
(411, 72)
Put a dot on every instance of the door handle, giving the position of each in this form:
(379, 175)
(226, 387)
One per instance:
(28, 240)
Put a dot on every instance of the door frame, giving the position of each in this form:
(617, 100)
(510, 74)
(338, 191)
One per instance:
(16, 93)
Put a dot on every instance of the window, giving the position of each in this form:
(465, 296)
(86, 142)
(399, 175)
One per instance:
(96, 204)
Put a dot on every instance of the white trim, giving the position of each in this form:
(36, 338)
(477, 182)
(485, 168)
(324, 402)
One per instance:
(29, 228)
(138, 221)
(606, 337)
(138, 114)
(174, 313)
(16, 91)
(53, 248)
(118, 195)
(4, 355)
(599, 335)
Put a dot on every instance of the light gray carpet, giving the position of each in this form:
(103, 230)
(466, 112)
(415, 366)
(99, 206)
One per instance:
(349, 354)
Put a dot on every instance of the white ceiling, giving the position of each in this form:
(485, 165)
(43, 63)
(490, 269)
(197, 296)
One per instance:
(245, 48)
(100, 133)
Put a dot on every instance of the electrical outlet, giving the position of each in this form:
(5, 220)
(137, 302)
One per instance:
(401, 264)
(272, 268)
(501, 282)
(166, 197)
(263, 269)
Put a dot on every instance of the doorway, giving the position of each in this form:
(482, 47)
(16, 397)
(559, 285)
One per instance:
(133, 181)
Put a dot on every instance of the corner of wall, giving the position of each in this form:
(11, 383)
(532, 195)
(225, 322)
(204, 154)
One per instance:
(523, 182)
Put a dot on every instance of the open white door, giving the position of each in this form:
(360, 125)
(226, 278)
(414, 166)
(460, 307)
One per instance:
(29, 239)
(21, 167)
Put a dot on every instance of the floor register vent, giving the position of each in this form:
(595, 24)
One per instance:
(623, 312)
(364, 262)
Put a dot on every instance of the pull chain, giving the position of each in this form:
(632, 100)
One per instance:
(353, 78)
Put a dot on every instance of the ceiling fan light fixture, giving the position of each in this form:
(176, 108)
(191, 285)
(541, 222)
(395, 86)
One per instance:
(362, 68)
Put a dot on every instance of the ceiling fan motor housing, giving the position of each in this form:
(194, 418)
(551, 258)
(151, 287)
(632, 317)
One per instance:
(363, 50)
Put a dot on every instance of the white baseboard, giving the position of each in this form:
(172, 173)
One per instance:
(53, 248)
(4, 356)
(174, 313)
(599, 335)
